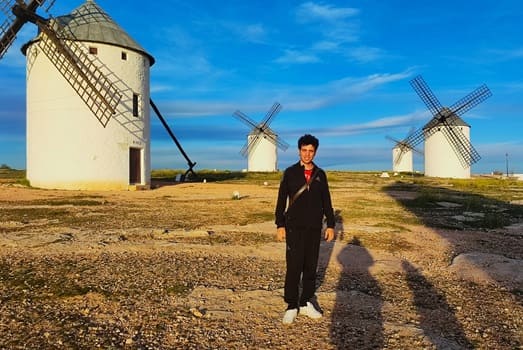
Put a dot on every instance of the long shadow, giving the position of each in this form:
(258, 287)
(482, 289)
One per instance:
(326, 253)
(473, 224)
(357, 322)
(450, 212)
(437, 319)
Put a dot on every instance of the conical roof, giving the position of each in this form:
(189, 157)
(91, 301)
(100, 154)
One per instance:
(451, 118)
(89, 22)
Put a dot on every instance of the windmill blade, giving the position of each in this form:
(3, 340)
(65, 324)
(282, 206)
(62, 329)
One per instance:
(461, 146)
(390, 138)
(398, 157)
(251, 145)
(426, 95)
(281, 144)
(94, 88)
(275, 139)
(261, 130)
(12, 25)
(415, 138)
(275, 109)
(402, 146)
(471, 100)
(245, 119)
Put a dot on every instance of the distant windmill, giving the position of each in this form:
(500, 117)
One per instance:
(448, 151)
(402, 154)
(262, 142)
(83, 65)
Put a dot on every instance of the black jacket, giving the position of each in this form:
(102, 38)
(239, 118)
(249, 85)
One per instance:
(311, 206)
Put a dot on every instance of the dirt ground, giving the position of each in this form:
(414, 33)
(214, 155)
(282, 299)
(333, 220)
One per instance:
(186, 266)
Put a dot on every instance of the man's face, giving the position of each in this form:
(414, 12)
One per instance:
(307, 153)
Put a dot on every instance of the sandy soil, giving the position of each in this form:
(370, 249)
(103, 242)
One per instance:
(187, 267)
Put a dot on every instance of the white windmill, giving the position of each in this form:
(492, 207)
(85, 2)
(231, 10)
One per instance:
(448, 151)
(83, 65)
(402, 155)
(262, 142)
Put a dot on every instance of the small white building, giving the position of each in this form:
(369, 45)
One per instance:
(441, 159)
(263, 156)
(402, 159)
(67, 146)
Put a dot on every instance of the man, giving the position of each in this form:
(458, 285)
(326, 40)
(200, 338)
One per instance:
(305, 187)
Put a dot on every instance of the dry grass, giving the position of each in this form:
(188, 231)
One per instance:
(186, 266)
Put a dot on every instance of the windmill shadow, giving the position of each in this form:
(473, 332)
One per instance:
(356, 319)
(473, 225)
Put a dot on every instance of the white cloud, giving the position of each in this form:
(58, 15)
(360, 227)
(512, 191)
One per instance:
(294, 98)
(294, 56)
(255, 33)
(365, 54)
(386, 123)
(506, 55)
(310, 11)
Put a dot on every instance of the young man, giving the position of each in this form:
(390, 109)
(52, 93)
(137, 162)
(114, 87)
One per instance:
(300, 223)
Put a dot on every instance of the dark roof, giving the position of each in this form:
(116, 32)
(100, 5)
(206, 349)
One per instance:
(89, 22)
(451, 118)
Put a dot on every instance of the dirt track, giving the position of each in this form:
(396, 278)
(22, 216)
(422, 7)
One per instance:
(186, 266)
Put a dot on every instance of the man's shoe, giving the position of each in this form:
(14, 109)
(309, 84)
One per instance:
(310, 311)
(290, 316)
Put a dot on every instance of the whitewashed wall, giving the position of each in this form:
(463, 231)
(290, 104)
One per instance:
(441, 159)
(67, 147)
(401, 162)
(263, 157)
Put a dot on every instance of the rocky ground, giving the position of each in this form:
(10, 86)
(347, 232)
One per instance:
(186, 266)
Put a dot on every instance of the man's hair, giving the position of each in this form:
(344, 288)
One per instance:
(308, 139)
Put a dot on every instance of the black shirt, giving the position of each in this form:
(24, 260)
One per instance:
(311, 206)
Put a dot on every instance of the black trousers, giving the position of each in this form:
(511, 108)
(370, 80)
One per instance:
(303, 245)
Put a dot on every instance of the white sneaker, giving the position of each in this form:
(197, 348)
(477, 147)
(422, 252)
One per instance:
(290, 316)
(310, 311)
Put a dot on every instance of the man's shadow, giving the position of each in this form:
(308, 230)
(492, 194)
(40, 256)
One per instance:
(326, 253)
(357, 321)
(437, 319)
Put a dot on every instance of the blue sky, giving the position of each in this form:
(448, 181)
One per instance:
(340, 69)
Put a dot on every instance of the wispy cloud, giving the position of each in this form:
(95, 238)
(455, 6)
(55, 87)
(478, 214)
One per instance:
(310, 11)
(337, 91)
(337, 24)
(365, 54)
(508, 55)
(294, 56)
(250, 32)
(382, 124)
(295, 97)
(338, 29)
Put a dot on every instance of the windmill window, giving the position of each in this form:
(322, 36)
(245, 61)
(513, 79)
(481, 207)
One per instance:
(135, 105)
(93, 50)
(124, 55)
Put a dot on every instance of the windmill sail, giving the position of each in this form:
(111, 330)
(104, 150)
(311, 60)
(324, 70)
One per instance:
(448, 121)
(94, 88)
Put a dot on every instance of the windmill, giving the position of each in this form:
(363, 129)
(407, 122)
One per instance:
(402, 154)
(83, 65)
(262, 141)
(96, 90)
(448, 151)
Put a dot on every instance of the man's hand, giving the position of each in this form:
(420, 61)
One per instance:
(329, 234)
(280, 234)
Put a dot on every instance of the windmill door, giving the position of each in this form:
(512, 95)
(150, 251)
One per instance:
(135, 166)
